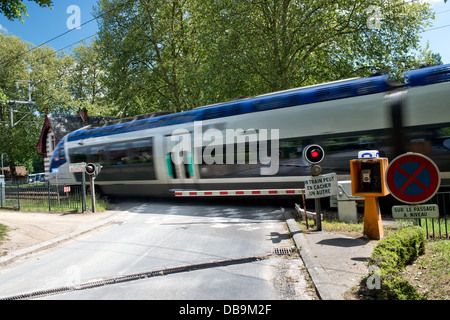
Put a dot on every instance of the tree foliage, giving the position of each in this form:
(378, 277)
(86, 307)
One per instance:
(181, 54)
(18, 142)
(86, 80)
(148, 54)
(60, 83)
(15, 9)
(154, 55)
(50, 77)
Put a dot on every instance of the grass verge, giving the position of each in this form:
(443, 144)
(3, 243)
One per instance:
(430, 273)
(3, 234)
(426, 276)
(351, 229)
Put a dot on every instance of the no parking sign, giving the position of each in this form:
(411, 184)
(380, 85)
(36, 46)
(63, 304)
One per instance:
(413, 178)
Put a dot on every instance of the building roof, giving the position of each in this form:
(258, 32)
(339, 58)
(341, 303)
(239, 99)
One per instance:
(63, 124)
(20, 171)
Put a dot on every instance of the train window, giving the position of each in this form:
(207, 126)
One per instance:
(444, 132)
(140, 166)
(78, 155)
(291, 158)
(122, 161)
(441, 149)
(141, 152)
(354, 144)
(97, 154)
(432, 142)
(245, 161)
(118, 155)
(339, 151)
(61, 153)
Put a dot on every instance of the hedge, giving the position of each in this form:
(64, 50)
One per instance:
(391, 255)
(399, 249)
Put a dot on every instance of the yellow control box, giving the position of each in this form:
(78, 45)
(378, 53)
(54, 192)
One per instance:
(368, 181)
(368, 177)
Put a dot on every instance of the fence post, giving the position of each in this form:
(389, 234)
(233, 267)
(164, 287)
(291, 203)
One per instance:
(18, 195)
(49, 206)
(2, 186)
(83, 186)
(445, 218)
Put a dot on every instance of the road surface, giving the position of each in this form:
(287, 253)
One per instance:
(231, 245)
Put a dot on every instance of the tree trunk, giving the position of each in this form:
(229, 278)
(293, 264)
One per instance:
(12, 168)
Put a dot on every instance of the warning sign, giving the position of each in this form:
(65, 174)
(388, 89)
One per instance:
(415, 211)
(413, 178)
(321, 186)
(77, 167)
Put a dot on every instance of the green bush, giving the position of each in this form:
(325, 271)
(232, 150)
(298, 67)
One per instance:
(399, 249)
(394, 287)
(391, 255)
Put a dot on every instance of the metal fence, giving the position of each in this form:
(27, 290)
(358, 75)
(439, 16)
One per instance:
(435, 228)
(439, 228)
(43, 197)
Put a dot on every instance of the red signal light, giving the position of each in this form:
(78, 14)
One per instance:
(314, 153)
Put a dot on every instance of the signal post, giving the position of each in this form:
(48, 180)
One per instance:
(92, 170)
(318, 186)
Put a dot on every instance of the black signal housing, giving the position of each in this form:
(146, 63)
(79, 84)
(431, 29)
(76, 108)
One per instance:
(313, 153)
(91, 169)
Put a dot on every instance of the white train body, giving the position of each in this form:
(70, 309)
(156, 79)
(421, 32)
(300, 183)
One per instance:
(138, 157)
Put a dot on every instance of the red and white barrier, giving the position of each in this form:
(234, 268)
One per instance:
(213, 193)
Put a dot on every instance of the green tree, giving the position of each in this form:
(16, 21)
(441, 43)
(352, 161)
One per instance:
(47, 72)
(15, 9)
(268, 45)
(148, 55)
(87, 78)
(18, 141)
(181, 54)
(3, 96)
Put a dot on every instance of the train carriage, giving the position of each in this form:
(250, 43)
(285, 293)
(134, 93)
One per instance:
(257, 142)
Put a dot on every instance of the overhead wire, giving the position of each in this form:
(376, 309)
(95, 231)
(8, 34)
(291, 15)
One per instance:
(435, 28)
(64, 33)
(440, 27)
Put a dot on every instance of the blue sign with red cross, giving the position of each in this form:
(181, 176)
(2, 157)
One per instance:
(413, 178)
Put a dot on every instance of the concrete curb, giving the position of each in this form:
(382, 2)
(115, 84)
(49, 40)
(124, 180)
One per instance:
(47, 244)
(325, 287)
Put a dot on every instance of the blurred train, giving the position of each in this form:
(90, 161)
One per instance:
(140, 156)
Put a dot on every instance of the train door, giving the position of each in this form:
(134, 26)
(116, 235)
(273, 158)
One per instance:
(179, 161)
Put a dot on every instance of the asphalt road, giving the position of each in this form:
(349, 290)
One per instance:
(161, 235)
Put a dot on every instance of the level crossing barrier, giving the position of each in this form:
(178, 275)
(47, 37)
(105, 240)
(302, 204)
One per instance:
(434, 228)
(214, 193)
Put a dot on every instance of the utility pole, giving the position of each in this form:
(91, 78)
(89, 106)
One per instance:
(14, 102)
